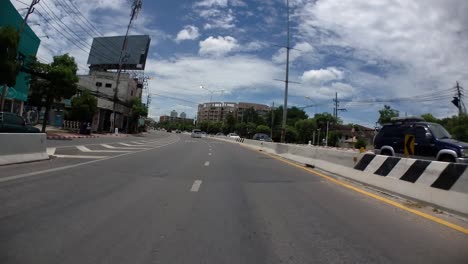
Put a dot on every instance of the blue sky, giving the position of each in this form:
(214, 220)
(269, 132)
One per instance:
(364, 50)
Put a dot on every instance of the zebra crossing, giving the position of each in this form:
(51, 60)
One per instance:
(101, 151)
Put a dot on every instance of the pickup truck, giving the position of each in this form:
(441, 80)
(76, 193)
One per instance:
(13, 123)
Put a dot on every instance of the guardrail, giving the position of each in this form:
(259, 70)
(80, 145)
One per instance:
(439, 183)
(71, 125)
(19, 147)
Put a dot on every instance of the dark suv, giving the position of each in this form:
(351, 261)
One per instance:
(13, 123)
(432, 141)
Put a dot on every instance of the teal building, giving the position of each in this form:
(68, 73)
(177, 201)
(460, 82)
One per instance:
(28, 46)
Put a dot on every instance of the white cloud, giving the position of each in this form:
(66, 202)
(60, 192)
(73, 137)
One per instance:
(218, 46)
(299, 50)
(211, 3)
(416, 47)
(188, 33)
(322, 75)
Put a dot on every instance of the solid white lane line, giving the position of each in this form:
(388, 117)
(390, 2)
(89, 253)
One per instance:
(80, 157)
(85, 149)
(29, 174)
(207, 163)
(138, 143)
(51, 151)
(112, 147)
(196, 186)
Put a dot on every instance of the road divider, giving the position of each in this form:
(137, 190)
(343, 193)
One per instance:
(19, 147)
(437, 183)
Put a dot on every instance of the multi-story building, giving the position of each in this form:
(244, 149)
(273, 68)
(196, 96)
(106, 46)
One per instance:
(174, 113)
(262, 110)
(218, 111)
(183, 115)
(102, 85)
(166, 118)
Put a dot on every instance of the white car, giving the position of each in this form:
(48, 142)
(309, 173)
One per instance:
(233, 135)
(196, 133)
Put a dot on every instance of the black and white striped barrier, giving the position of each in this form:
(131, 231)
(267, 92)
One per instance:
(441, 183)
(441, 175)
(241, 140)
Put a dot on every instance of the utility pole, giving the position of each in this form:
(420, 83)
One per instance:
(336, 109)
(20, 30)
(458, 100)
(136, 7)
(286, 82)
(272, 119)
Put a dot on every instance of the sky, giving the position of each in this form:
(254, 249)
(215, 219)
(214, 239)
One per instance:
(409, 53)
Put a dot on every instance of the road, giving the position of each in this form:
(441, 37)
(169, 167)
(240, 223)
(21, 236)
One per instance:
(176, 199)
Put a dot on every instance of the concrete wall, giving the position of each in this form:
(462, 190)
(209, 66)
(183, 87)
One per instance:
(438, 183)
(18, 148)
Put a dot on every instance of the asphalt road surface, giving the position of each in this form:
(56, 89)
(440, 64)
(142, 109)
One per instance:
(168, 198)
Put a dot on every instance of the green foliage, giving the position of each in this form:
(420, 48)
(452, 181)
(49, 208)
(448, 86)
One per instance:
(333, 139)
(322, 118)
(291, 134)
(360, 142)
(230, 123)
(305, 129)
(53, 82)
(9, 65)
(430, 118)
(263, 129)
(84, 107)
(457, 126)
(386, 114)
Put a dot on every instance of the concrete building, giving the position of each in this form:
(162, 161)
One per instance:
(17, 96)
(218, 111)
(102, 85)
(174, 114)
(183, 115)
(166, 118)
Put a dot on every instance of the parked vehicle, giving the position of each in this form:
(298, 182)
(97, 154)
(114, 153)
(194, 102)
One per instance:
(203, 133)
(13, 123)
(220, 135)
(233, 135)
(432, 141)
(178, 131)
(196, 133)
(262, 137)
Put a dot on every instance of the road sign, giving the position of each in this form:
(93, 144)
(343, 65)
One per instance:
(409, 145)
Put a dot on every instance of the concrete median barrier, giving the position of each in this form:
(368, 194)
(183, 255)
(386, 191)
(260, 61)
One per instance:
(19, 148)
(437, 183)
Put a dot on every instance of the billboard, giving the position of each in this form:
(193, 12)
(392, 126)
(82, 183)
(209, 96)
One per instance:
(105, 51)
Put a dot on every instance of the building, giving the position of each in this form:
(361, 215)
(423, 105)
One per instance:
(174, 113)
(28, 45)
(183, 115)
(102, 85)
(262, 110)
(218, 111)
(166, 118)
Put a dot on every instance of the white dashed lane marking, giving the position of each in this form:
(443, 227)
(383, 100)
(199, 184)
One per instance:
(207, 163)
(196, 186)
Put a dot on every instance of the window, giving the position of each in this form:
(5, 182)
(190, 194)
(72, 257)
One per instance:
(98, 84)
(13, 119)
(131, 93)
(108, 85)
(419, 132)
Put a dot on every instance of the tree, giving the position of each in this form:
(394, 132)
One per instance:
(9, 65)
(305, 129)
(230, 123)
(386, 114)
(430, 118)
(322, 118)
(291, 134)
(263, 129)
(295, 114)
(360, 143)
(138, 110)
(84, 107)
(53, 82)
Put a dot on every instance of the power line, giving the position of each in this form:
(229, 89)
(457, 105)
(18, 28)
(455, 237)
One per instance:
(174, 98)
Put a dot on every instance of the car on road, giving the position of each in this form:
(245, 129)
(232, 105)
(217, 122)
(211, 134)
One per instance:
(262, 137)
(220, 135)
(13, 123)
(196, 133)
(233, 135)
(178, 131)
(431, 141)
(203, 133)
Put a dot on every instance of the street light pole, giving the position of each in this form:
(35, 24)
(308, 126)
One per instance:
(286, 82)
